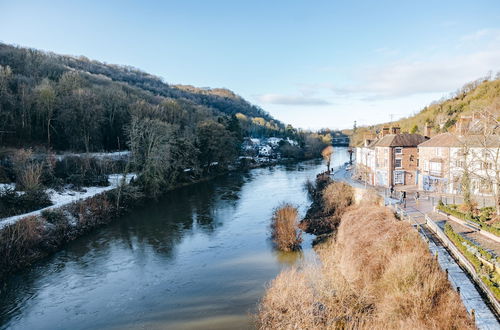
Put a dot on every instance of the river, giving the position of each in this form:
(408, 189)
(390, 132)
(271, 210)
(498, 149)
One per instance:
(199, 258)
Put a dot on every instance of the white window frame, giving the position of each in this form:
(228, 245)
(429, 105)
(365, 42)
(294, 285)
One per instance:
(398, 150)
(400, 163)
(399, 177)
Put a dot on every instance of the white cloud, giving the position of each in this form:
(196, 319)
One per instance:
(429, 74)
(290, 100)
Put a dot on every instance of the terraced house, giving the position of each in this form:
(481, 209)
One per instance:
(396, 158)
(392, 159)
(446, 157)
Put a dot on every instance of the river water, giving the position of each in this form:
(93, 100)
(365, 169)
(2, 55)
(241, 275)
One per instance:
(199, 258)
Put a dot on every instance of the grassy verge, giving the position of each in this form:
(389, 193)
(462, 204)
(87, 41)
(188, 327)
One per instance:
(488, 275)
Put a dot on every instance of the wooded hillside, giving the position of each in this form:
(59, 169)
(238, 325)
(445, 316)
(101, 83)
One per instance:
(66, 102)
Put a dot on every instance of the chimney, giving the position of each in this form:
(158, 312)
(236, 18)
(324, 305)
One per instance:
(385, 131)
(427, 130)
(396, 130)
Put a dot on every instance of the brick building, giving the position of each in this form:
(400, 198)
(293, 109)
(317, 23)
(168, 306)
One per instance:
(396, 158)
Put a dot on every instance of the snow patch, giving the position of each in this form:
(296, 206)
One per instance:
(68, 196)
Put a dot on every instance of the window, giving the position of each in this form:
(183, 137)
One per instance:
(398, 151)
(398, 163)
(435, 169)
(439, 152)
(399, 177)
(426, 165)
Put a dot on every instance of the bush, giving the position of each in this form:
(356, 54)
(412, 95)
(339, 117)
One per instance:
(454, 211)
(377, 274)
(83, 171)
(337, 197)
(461, 243)
(17, 242)
(13, 203)
(285, 232)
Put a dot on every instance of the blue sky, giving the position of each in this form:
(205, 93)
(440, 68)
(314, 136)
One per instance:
(309, 63)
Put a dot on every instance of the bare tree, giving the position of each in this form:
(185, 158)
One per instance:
(46, 102)
(480, 154)
(327, 154)
(150, 141)
(485, 157)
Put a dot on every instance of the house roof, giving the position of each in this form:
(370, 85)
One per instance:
(453, 140)
(400, 140)
(442, 140)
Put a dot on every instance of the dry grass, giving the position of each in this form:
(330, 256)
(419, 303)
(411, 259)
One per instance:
(18, 240)
(376, 274)
(285, 232)
(28, 171)
(337, 197)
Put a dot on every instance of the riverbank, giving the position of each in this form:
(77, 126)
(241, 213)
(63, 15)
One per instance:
(25, 239)
(197, 258)
(375, 273)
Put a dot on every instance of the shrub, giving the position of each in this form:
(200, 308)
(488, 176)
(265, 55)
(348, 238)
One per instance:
(17, 241)
(28, 171)
(12, 203)
(83, 171)
(462, 244)
(337, 197)
(285, 232)
(376, 274)
(454, 211)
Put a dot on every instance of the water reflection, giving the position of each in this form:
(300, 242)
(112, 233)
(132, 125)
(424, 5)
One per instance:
(198, 258)
(289, 258)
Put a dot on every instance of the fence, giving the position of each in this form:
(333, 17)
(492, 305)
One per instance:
(462, 260)
(453, 251)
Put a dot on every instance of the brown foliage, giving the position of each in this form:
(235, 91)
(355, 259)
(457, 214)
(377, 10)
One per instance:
(337, 197)
(376, 274)
(28, 171)
(18, 240)
(285, 232)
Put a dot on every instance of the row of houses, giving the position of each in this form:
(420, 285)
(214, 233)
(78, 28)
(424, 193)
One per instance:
(432, 162)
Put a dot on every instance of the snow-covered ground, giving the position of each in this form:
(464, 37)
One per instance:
(5, 186)
(68, 196)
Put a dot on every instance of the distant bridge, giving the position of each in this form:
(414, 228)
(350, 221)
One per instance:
(340, 141)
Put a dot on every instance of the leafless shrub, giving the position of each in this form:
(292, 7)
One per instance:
(376, 274)
(337, 197)
(28, 171)
(17, 241)
(285, 232)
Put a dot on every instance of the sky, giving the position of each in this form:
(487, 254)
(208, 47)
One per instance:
(313, 64)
